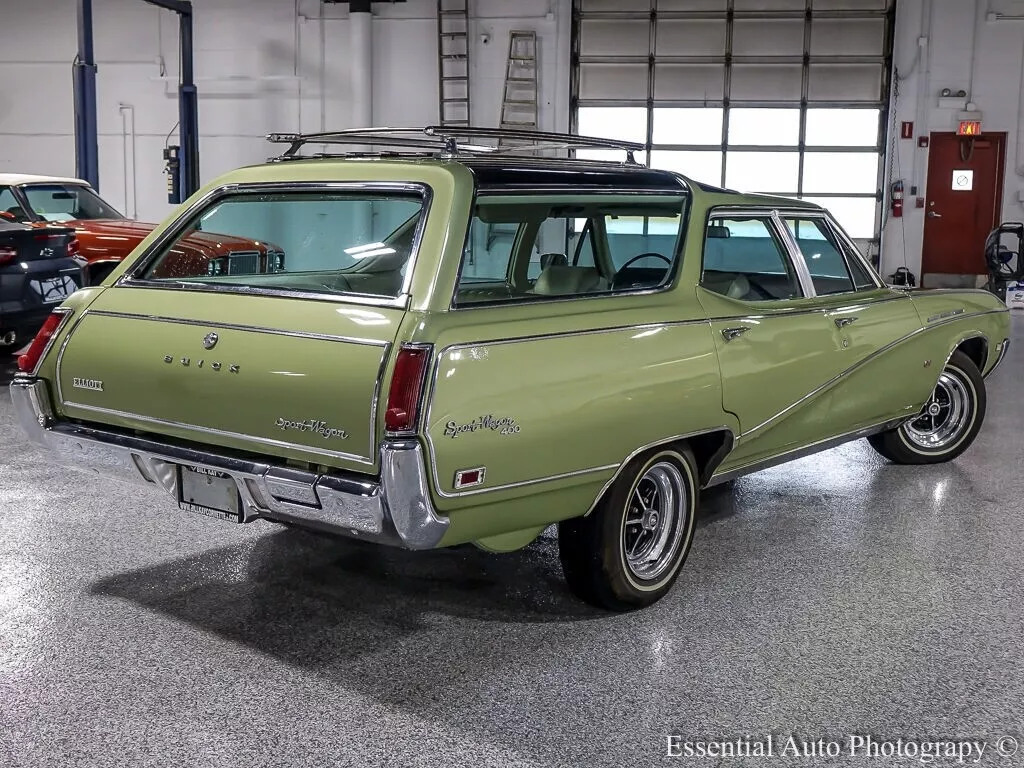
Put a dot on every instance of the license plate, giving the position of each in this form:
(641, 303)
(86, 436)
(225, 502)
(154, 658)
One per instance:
(208, 492)
(54, 290)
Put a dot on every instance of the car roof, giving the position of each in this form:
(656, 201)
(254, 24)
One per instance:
(16, 179)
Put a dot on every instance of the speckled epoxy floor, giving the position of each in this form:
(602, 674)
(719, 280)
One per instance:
(833, 596)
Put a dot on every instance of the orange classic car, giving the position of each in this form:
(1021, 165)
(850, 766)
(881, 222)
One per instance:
(105, 236)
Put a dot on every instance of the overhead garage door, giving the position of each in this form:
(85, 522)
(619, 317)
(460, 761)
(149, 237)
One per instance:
(781, 96)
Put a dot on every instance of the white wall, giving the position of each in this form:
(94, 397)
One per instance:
(259, 69)
(961, 44)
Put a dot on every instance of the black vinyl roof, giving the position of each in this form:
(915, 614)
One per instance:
(541, 174)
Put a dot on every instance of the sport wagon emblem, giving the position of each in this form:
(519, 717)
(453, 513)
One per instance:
(210, 340)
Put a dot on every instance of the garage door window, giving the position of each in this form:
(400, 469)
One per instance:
(779, 96)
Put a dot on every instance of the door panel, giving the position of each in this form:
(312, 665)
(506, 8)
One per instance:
(873, 332)
(785, 353)
(965, 180)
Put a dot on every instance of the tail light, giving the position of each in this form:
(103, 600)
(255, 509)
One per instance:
(74, 247)
(406, 388)
(8, 253)
(27, 363)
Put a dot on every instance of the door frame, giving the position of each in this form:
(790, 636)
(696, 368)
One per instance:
(1000, 137)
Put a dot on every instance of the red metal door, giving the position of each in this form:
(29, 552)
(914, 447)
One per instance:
(965, 185)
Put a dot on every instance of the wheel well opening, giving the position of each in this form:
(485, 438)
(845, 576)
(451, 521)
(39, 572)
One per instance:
(976, 349)
(709, 450)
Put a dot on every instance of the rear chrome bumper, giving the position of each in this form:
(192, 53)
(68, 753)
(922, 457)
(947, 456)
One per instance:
(396, 509)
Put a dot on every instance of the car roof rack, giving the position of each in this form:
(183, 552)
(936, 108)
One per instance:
(449, 141)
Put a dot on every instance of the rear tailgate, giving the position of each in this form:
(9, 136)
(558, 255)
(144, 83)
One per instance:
(293, 378)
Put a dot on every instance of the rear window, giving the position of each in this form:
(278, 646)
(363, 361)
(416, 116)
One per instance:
(319, 242)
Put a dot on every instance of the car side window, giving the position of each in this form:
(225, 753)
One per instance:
(9, 204)
(824, 256)
(744, 259)
(571, 246)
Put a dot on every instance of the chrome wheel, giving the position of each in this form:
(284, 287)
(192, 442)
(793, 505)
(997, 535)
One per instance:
(945, 416)
(655, 522)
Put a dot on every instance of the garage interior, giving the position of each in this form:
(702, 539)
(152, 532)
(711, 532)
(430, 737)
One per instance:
(832, 596)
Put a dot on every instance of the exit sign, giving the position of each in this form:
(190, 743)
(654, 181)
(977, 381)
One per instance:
(969, 128)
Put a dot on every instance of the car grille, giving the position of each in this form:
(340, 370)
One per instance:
(243, 262)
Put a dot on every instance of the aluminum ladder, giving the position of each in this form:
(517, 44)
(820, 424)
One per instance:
(519, 103)
(453, 61)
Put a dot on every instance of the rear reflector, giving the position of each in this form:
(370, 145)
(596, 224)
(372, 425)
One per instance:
(8, 253)
(27, 363)
(406, 389)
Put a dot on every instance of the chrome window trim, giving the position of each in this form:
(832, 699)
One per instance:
(777, 228)
(863, 361)
(677, 265)
(853, 250)
(796, 256)
(384, 345)
(131, 279)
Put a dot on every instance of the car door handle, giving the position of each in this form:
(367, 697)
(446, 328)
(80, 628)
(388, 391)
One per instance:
(934, 215)
(842, 322)
(733, 333)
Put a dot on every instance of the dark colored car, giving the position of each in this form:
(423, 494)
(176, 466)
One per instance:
(39, 268)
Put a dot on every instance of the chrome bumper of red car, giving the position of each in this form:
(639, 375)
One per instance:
(395, 509)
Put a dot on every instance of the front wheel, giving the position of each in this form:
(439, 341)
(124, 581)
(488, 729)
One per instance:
(627, 553)
(948, 423)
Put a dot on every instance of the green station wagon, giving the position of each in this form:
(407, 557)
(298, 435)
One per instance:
(466, 345)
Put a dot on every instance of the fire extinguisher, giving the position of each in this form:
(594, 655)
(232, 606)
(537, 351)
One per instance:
(896, 199)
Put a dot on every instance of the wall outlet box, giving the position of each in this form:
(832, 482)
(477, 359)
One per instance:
(1020, 195)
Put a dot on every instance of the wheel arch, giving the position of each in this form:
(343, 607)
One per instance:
(709, 448)
(975, 346)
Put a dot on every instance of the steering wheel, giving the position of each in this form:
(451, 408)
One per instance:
(666, 259)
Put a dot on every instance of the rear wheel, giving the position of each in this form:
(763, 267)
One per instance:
(627, 553)
(948, 423)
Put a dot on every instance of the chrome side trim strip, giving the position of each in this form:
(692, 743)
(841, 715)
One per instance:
(219, 432)
(396, 510)
(944, 315)
(525, 483)
(805, 450)
(864, 361)
(239, 327)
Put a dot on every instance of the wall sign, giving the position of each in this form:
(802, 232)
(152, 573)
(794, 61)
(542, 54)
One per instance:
(963, 180)
(969, 128)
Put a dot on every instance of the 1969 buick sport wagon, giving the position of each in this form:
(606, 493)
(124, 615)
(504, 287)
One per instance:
(467, 346)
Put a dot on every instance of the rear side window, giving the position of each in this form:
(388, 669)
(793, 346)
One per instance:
(744, 259)
(532, 248)
(319, 242)
(833, 268)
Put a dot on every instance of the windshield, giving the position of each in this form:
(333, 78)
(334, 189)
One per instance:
(67, 202)
(320, 242)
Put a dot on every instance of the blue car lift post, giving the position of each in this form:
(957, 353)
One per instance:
(86, 143)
